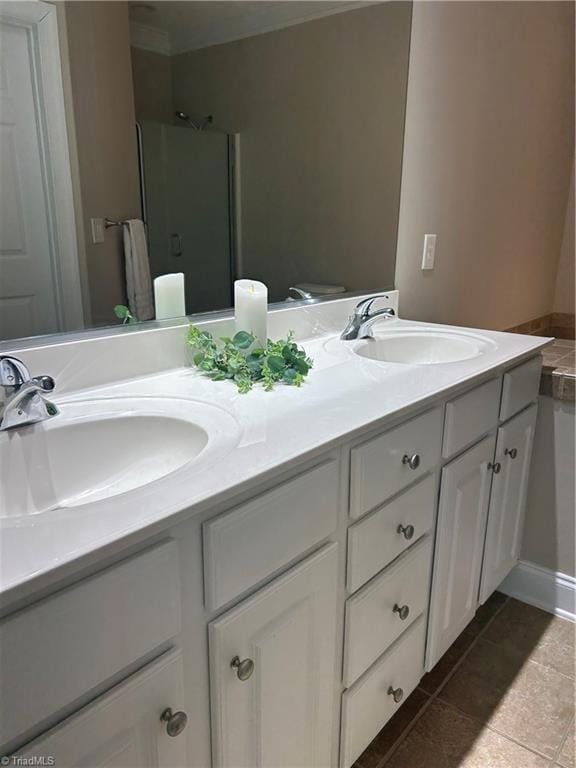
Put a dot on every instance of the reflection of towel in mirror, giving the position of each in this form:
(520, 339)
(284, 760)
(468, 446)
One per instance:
(138, 281)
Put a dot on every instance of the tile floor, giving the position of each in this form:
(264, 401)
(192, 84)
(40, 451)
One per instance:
(501, 697)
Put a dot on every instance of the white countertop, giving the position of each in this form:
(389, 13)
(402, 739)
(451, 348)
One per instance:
(343, 395)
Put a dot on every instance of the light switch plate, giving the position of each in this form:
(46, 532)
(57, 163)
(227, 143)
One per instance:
(429, 252)
(97, 226)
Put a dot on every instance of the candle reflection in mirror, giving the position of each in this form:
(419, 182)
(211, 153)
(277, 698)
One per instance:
(169, 294)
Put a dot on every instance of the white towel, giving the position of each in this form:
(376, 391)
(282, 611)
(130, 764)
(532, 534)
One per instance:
(138, 282)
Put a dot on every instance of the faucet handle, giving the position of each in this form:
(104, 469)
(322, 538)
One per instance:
(47, 383)
(13, 372)
(363, 307)
(300, 293)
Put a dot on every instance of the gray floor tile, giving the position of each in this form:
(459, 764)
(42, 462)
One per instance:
(444, 738)
(530, 703)
(536, 635)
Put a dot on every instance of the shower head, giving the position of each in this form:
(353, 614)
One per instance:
(197, 125)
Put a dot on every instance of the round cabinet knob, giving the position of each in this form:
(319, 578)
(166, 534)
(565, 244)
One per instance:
(412, 461)
(243, 668)
(396, 693)
(495, 467)
(406, 530)
(175, 721)
(402, 610)
(512, 452)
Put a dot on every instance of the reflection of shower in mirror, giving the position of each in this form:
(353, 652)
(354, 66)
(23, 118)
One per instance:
(197, 125)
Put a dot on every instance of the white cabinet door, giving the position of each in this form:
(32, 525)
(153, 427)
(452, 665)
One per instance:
(462, 513)
(277, 708)
(122, 729)
(508, 500)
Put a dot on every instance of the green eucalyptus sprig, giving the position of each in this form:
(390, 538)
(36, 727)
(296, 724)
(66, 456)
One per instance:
(123, 313)
(234, 359)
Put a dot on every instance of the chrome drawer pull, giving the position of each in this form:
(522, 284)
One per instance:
(495, 467)
(243, 668)
(175, 721)
(402, 610)
(412, 461)
(406, 530)
(512, 452)
(396, 693)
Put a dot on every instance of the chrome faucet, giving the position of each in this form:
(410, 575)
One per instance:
(24, 403)
(300, 294)
(360, 324)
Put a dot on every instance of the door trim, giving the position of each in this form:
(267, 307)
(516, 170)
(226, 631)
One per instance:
(235, 209)
(41, 20)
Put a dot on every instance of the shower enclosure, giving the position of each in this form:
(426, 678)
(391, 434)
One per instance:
(189, 207)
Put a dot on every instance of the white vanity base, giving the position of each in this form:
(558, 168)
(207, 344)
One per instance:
(287, 598)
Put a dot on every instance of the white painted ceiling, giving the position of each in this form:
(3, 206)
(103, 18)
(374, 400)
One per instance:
(184, 25)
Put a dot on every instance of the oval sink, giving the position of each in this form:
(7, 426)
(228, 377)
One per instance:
(97, 449)
(422, 347)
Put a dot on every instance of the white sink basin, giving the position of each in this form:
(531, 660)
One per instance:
(421, 347)
(97, 449)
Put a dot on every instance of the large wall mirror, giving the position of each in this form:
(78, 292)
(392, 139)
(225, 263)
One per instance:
(252, 139)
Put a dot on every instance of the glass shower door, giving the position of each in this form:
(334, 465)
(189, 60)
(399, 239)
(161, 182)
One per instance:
(186, 189)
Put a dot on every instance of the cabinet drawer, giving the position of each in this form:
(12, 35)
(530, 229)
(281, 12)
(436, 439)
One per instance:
(520, 387)
(243, 547)
(372, 623)
(380, 468)
(368, 706)
(471, 416)
(380, 537)
(64, 646)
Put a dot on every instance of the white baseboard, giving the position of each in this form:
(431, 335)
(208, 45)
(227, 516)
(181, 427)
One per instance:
(550, 590)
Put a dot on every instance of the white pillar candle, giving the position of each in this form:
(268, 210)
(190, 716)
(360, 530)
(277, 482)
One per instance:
(169, 298)
(251, 309)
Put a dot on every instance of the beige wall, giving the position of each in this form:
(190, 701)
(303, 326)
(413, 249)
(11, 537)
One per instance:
(488, 151)
(103, 104)
(152, 74)
(320, 111)
(564, 293)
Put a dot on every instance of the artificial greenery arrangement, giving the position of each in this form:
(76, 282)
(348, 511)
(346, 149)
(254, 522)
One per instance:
(123, 313)
(235, 359)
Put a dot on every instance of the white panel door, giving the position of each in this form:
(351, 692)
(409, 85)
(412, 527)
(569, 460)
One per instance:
(280, 711)
(27, 279)
(462, 513)
(123, 729)
(508, 500)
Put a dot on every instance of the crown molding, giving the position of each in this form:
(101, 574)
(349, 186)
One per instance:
(262, 26)
(149, 38)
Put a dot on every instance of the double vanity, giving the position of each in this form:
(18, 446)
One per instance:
(194, 577)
